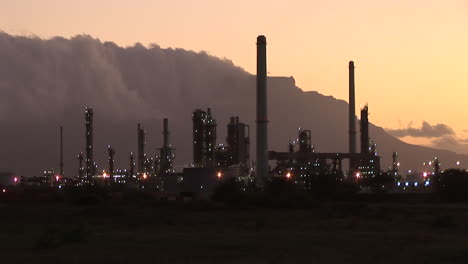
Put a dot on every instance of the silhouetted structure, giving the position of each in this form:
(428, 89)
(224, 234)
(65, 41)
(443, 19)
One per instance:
(148, 167)
(238, 142)
(365, 130)
(156, 164)
(80, 165)
(352, 117)
(305, 164)
(132, 167)
(305, 141)
(301, 164)
(436, 166)
(141, 150)
(111, 153)
(395, 164)
(166, 152)
(262, 168)
(368, 164)
(90, 167)
(204, 138)
(198, 118)
(210, 139)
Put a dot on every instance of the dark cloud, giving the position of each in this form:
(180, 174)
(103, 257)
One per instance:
(45, 83)
(45, 77)
(426, 130)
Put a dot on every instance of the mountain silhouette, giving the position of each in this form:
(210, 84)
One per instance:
(47, 83)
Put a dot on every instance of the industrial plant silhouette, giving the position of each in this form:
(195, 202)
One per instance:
(224, 204)
(127, 86)
(215, 163)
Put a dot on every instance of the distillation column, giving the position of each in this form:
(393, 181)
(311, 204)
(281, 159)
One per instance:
(89, 143)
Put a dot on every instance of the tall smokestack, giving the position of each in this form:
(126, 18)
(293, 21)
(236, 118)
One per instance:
(61, 151)
(352, 114)
(262, 117)
(89, 143)
(365, 130)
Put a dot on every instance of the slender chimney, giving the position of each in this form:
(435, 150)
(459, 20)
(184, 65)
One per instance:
(262, 117)
(61, 151)
(352, 114)
(364, 130)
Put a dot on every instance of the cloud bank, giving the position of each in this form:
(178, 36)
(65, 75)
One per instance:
(440, 136)
(45, 83)
(426, 130)
(45, 77)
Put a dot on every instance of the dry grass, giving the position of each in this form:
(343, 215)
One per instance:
(200, 233)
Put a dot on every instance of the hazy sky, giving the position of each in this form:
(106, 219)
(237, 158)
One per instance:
(411, 56)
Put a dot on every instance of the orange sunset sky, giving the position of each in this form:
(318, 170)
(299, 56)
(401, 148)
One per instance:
(411, 56)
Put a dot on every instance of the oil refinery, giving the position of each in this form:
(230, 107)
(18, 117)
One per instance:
(214, 161)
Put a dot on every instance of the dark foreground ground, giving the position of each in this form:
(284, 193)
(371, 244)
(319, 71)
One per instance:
(206, 233)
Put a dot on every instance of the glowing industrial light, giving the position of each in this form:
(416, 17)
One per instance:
(415, 184)
(398, 164)
(358, 175)
(458, 163)
(15, 179)
(4, 191)
(426, 183)
(288, 175)
(219, 174)
(406, 183)
(430, 163)
(425, 174)
(57, 177)
(145, 176)
(104, 175)
(398, 183)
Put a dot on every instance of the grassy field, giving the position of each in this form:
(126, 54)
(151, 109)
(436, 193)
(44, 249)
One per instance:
(206, 233)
